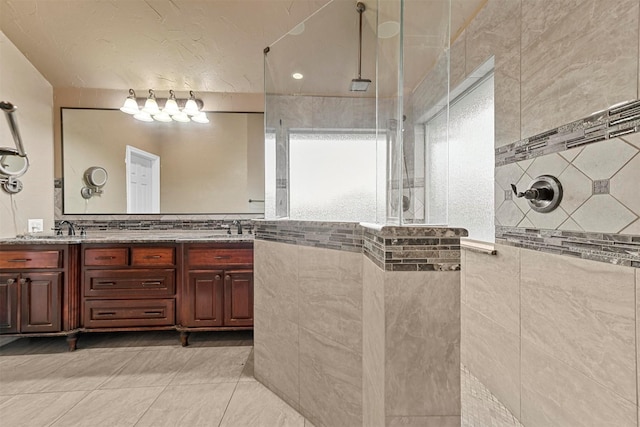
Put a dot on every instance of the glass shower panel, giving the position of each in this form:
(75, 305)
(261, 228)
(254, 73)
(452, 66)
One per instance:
(426, 81)
(308, 82)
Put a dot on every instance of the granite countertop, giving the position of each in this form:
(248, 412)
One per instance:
(199, 236)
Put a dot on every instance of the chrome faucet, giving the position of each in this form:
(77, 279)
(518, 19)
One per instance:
(239, 225)
(72, 230)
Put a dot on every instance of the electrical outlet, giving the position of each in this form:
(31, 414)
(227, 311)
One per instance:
(36, 225)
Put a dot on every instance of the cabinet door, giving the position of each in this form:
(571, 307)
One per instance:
(8, 303)
(238, 298)
(204, 299)
(40, 295)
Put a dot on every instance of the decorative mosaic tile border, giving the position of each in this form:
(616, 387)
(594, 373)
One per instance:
(342, 236)
(155, 224)
(616, 249)
(616, 121)
(390, 248)
(414, 248)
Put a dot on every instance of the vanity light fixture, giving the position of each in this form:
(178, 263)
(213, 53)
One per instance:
(171, 106)
(191, 107)
(201, 117)
(150, 105)
(164, 109)
(143, 116)
(130, 105)
(181, 117)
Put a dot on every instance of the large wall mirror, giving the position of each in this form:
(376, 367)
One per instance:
(163, 168)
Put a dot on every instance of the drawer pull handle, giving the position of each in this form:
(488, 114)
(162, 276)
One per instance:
(105, 257)
(154, 283)
(223, 257)
(154, 313)
(20, 260)
(153, 256)
(106, 313)
(106, 283)
(10, 281)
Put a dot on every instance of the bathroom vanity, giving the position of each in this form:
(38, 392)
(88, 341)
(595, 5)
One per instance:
(66, 286)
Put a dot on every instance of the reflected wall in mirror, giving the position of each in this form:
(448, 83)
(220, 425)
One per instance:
(212, 168)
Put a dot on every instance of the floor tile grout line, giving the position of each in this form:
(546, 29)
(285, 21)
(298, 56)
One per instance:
(149, 407)
(73, 406)
(229, 402)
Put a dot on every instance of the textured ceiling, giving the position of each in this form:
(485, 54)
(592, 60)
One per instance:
(204, 45)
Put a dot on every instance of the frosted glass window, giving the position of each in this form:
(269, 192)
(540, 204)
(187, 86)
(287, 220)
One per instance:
(332, 176)
(469, 159)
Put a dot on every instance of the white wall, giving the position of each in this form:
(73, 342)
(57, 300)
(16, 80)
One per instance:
(22, 85)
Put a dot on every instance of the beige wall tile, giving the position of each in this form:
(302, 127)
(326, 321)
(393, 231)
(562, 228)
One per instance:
(492, 354)
(423, 422)
(276, 355)
(507, 100)
(493, 286)
(494, 31)
(574, 41)
(330, 381)
(582, 312)
(276, 279)
(373, 332)
(555, 394)
(330, 292)
(422, 375)
(638, 336)
(463, 275)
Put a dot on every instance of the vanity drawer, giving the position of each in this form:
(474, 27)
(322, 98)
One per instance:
(207, 257)
(30, 259)
(129, 313)
(106, 257)
(153, 256)
(128, 283)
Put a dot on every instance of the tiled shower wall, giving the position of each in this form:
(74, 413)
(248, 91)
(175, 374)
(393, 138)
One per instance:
(551, 334)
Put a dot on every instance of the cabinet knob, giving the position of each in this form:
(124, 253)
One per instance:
(227, 277)
(11, 281)
(218, 277)
(23, 281)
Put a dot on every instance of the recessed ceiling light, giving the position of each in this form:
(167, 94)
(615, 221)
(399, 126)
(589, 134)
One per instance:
(297, 76)
(297, 30)
(388, 29)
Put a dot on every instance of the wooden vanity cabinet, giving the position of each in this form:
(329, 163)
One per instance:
(129, 286)
(39, 290)
(217, 289)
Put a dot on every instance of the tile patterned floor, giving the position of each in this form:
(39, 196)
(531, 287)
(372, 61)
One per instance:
(148, 379)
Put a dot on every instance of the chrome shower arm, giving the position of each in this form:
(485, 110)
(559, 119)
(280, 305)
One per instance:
(9, 109)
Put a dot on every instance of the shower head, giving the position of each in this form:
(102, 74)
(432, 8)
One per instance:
(360, 84)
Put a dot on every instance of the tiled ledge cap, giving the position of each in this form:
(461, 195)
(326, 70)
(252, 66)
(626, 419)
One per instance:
(478, 246)
(413, 230)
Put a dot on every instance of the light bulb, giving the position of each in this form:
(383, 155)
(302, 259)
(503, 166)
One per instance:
(143, 117)
(171, 106)
(181, 117)
(162, 117)
(191, 107)
(201, 117)
(130, 105)
(150, 105)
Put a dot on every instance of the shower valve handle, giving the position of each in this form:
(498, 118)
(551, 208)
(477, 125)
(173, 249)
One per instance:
(533, 193)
